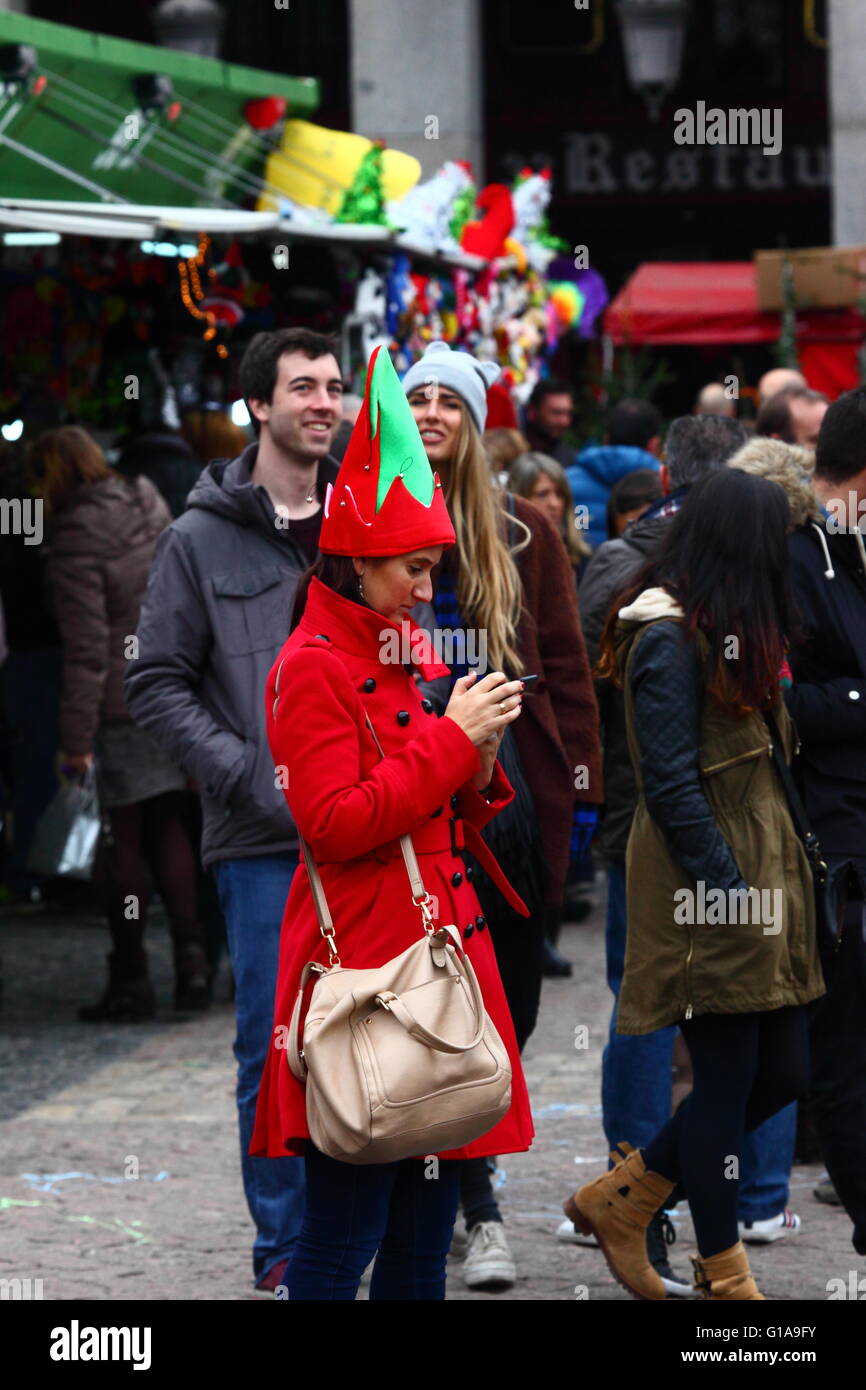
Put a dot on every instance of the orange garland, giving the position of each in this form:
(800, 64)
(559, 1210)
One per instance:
(191, 291)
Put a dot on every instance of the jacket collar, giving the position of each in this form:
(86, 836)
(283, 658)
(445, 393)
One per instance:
(649, 605)
(360, 631)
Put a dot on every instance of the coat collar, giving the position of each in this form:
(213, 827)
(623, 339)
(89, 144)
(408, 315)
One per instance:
(360, 631)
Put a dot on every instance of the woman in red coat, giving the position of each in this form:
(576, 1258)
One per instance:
(353, 655)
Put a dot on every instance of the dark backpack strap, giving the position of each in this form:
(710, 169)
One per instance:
(798, 810)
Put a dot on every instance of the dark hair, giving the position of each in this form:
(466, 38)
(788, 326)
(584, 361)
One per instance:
(552, 386)
(334, 571)
(841, 449)
(633, 422)
(258, 369)
(634, 490)
(696, 444)
(774, 416)
(724, 558)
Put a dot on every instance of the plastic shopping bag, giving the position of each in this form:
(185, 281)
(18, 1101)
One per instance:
(67, 833)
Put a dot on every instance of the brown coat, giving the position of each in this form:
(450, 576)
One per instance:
(101, 548)
(557, 733)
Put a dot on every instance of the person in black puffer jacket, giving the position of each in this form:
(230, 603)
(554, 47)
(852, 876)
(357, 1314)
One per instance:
(828, 703)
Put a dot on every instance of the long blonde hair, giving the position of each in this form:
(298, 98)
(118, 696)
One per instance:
(489, 590)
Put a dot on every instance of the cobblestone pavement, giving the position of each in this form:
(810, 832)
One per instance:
(119, 1171)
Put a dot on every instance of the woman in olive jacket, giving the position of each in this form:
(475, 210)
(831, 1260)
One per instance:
(721, 918)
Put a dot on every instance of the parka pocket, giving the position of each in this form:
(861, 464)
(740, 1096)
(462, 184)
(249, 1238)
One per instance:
(252, 609)
(731, 780)
(726, 763)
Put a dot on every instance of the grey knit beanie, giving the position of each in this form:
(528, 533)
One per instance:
(456, 371)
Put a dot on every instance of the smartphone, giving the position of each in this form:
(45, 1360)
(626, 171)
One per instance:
(528, 681)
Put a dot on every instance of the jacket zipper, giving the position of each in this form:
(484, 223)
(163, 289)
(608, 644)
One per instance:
(740, 758)
(691, 952)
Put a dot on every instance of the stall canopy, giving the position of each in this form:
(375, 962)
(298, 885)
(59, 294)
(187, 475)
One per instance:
(87, 117)
(664, 303)
(704, 303)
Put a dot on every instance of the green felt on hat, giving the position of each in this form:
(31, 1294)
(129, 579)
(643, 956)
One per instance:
(401, 451)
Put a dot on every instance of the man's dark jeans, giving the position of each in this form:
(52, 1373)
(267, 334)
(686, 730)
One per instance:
(838, 1039)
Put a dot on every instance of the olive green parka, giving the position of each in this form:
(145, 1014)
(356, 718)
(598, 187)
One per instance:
(693, 947)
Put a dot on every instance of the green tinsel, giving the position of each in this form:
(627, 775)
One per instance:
(464, 208)
(364, 202)
(545, 237)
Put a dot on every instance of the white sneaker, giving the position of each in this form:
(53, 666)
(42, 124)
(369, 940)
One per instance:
(489, 1263)
(570, 1234)
(774, 1228)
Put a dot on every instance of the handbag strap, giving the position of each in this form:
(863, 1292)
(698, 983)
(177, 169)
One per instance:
(798, 810)
(420, 896)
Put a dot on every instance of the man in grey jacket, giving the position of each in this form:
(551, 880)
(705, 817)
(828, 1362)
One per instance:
(216, 613)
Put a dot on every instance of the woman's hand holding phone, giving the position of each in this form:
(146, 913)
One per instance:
(483, 709)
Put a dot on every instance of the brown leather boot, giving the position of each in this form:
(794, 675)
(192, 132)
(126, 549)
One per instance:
(726, 1275)
(616, 1209)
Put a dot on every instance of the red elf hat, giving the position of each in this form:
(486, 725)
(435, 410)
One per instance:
(386, 500)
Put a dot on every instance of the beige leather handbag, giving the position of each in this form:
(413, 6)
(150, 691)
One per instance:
(402, 1060)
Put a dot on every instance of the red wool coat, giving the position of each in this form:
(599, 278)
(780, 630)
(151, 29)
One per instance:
(351, 806)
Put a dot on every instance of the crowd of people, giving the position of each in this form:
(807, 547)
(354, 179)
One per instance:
(655, 663)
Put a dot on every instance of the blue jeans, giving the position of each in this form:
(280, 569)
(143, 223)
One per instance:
(253, 896)
(405, 1211)
(636, 1087)
(635, 1071)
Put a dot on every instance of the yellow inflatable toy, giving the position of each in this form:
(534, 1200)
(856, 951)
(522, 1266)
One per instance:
(315, 166)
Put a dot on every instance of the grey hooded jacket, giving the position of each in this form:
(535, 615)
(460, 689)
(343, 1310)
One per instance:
(216, 612)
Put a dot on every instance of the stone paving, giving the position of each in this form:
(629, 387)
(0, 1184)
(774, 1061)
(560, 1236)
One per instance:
(119, 1171)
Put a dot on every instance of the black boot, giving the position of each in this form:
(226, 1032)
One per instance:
(192, 990)
(555, 965)
(128, 997)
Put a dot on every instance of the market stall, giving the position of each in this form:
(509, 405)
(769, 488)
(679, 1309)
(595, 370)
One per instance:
(716, 302)
(158, 208)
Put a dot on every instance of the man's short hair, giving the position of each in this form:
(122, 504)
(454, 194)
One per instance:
(774, 416)
(633, 422)
(713, 400)
(840, 453)
(699, 444)
(553, 386)
(258, 370)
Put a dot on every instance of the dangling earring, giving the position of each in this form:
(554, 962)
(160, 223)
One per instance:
(361, 587)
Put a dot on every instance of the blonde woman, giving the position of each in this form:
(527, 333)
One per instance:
(508, 587)
(542, 481)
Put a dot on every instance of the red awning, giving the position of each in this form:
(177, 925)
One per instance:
(702, 302)
(690, 302)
